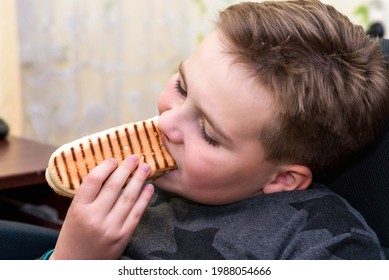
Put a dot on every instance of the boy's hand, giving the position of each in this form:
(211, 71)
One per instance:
(102, 217)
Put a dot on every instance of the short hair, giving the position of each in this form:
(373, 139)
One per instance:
(328, 79)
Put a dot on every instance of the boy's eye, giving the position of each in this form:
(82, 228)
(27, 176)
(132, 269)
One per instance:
(206, 137)
(180, 89)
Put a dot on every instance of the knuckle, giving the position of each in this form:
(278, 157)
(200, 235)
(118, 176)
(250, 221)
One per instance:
(128, 200)
(129, 164)
(93, 224)
(112, 186)
(137, 215)
(112, 236)
(93, 178)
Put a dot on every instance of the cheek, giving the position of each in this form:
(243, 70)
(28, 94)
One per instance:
(218, 169)
(203, 168)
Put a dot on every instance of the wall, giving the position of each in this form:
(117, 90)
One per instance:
(10, 101)
(379, 13)
(93, 64)
(347, 7)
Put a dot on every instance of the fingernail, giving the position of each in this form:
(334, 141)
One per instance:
(150, 187)
(146, 168)
(133, 158)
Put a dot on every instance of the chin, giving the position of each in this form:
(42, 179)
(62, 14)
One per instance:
(166, 181)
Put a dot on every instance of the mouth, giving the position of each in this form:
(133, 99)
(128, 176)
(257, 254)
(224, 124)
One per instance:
(166, 143)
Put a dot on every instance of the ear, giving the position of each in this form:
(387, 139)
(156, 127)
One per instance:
(289, 178)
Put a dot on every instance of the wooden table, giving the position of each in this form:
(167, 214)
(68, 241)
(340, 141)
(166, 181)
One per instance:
(23, 162)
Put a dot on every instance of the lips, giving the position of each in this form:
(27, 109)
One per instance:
(166, 143)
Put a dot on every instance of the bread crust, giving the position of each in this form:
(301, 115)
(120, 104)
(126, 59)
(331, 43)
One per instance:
(70, 163)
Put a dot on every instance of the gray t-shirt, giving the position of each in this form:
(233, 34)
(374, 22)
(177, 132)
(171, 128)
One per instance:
(309, 224)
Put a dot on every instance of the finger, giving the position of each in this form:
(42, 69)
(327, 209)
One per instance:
(112, 187)
(130, 194)
(93, 182)
(132, 220)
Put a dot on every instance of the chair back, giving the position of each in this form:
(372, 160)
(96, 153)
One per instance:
(365, 181)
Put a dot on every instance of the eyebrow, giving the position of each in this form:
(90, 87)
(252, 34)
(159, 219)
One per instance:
(211, 123)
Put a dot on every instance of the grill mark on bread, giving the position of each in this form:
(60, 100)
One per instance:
(138, 138)
(92, 148)
(110, 145)
(73, 155)
(75, 164)
(57, 169)
(151, 146)
(139, 142)
(129, 140)
(101, 148)
(159, 144)
(83, 154)
(120, 143)
(67, 170)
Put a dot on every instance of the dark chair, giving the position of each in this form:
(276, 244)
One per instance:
(364, 182)
(21, 241)
(4, 129)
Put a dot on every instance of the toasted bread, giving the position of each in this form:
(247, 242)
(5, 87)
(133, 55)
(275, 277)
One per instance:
(70, 163)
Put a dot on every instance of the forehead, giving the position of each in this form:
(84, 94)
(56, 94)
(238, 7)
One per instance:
(225, 89)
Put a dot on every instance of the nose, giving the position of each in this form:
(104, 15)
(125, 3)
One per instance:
(171, 126)
(170, 107)
(169, 98)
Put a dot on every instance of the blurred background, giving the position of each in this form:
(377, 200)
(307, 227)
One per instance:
(72, 67)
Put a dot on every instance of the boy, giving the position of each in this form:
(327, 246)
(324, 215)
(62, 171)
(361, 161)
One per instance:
(279, 92)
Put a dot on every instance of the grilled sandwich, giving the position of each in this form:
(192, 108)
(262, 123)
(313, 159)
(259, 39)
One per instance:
(70, 163)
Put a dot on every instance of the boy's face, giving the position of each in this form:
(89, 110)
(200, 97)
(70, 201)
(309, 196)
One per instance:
(211, 116)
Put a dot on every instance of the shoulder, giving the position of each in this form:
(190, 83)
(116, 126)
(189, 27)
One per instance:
(332, 227)
(321, 209)
(310, 224)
